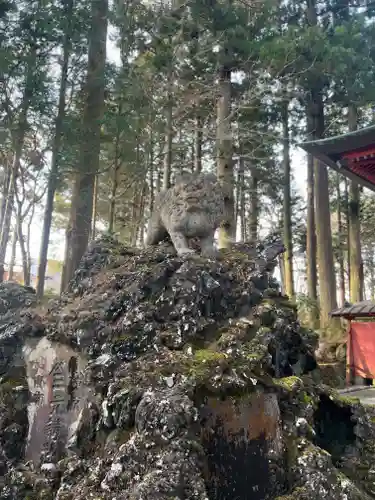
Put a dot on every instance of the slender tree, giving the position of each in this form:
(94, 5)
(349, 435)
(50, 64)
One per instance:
(356, 264)
(53, 178)
(79, 228)
(227, 232)
(287, 219)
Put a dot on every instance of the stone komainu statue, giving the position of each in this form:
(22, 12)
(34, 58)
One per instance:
(192, 208)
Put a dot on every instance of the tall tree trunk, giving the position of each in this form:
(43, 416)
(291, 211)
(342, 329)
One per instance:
(364, 290)
(5, 193)
(243, 211)
(53, 178)
(135, 216)
(112, 201)
(115, 174)
(159, 168)
(9, 205)
(198, 140)
(237, 198)
(167, 165)
(21, 240)
(151, 175)
(312, 277)
(78, 231)
(227, 231)
(282, 273)
(28, 236)
(240, 198)
(253, 215)
(287, 219)
(140, 222)
(182, 161)
(346, 212)
(356, 266)
(18, 140)
(13, 254)
(327, 278)
(94, 208)
(340, 243)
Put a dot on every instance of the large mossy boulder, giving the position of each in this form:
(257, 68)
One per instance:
(201, 384)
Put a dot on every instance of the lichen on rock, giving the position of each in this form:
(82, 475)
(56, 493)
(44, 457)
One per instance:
(196, 385)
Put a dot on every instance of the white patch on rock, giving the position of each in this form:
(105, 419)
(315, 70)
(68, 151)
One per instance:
(104, 359)
(170, 380)
(301, 421)
(48, 467)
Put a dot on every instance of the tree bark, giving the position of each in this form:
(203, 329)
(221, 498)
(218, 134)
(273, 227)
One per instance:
(53, 178)
(198, 139)
(240, 198)
(167, 164)
(94, 208)
(340, 243)
(227, 231)
(237, 197)
(243, 211)
(151, 175)
(78, 231)
(28, 234)
(282, 274)
(287, 219)
(182, 160)
(13, 254)
(140, 222)
(356, 265)
(312, 277)
(253, 216)
(346, 211)
(159, 168)
(315, 119)
(115, 173)
(21, 240)
(5, 193)
(327, 278)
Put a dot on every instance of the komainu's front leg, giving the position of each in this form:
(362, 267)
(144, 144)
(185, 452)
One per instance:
(155, 231)
(180, 243)
(207, 246)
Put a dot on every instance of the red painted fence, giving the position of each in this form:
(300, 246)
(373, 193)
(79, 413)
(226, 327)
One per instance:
(361, 350)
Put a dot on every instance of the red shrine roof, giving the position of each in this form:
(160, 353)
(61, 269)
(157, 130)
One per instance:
(352, 154)
(364, 309)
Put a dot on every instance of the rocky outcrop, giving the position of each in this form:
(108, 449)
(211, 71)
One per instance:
(17, 323)
(192, 379)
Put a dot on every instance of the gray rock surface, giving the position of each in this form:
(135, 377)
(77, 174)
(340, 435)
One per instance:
(202, 382)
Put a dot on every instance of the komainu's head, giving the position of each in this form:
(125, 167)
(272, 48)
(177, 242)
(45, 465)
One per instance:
(196, 190)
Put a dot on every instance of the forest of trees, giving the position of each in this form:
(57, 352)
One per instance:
(215, 85)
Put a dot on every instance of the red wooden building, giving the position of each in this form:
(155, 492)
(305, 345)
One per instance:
(353, 155)
(360, 344)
